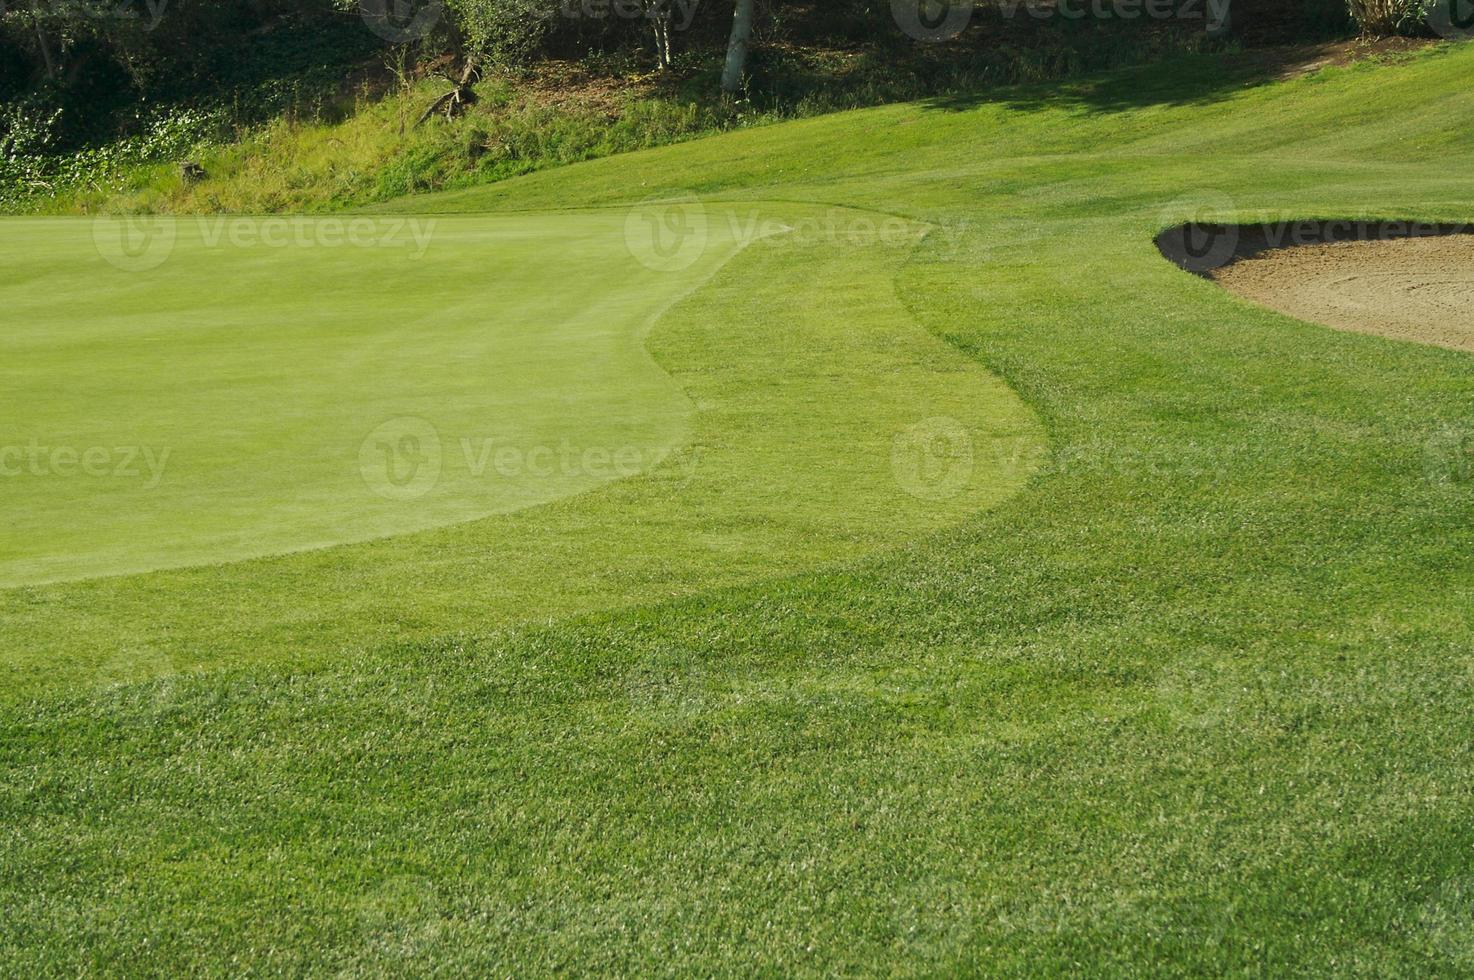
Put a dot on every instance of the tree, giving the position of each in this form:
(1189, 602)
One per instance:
(46, 29)
(461, 94)
(737, 48)
(502, 30)
(476, 33)
(658, 13)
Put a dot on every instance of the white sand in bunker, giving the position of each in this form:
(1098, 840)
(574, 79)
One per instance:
(1418, 289)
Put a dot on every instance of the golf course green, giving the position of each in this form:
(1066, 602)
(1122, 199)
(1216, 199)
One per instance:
(260, 372)
(555, 354)
(955, 585)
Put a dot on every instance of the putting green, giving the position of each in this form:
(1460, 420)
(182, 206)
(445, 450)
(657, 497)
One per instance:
(193, 391)
(374, 432)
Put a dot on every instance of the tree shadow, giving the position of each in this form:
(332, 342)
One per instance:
(1183, 80)
(1203, 248)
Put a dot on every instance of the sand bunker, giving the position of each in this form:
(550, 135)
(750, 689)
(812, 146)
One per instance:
(1418, 289)
(1369, 279)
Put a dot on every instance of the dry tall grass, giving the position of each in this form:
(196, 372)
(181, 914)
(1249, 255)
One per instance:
(1384, 17)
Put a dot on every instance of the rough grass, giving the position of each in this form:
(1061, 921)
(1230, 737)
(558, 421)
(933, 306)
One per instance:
(1196, 701)
(374, 151)
(332, 151)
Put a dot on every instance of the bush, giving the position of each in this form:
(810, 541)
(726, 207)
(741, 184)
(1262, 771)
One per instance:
(1388, 17)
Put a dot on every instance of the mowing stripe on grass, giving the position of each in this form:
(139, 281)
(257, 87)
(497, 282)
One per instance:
(771, 435)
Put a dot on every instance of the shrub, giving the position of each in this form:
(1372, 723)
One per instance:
(1387, 17)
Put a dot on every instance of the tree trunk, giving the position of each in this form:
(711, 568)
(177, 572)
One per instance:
(45, 50)
(455, 101)
(737, 48)
(660, 26)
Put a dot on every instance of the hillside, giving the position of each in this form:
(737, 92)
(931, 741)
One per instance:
(311, 115)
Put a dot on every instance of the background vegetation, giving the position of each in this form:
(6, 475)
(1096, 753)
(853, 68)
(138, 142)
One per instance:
(102, 100)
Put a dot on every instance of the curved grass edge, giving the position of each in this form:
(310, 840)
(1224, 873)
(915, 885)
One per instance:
(793, 465)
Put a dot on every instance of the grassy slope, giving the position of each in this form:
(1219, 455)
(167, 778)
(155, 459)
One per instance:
(1195, 701)
(330, 151)
(371, 150)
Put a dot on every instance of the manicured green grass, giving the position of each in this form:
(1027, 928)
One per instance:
(1195, 700)
(260, 373)
(277, 387)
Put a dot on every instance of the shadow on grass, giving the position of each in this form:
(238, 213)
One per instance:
(1202, 248)
(1189, 79)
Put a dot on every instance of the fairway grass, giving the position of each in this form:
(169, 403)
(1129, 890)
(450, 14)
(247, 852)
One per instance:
(739, 436)
(1188, 694)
